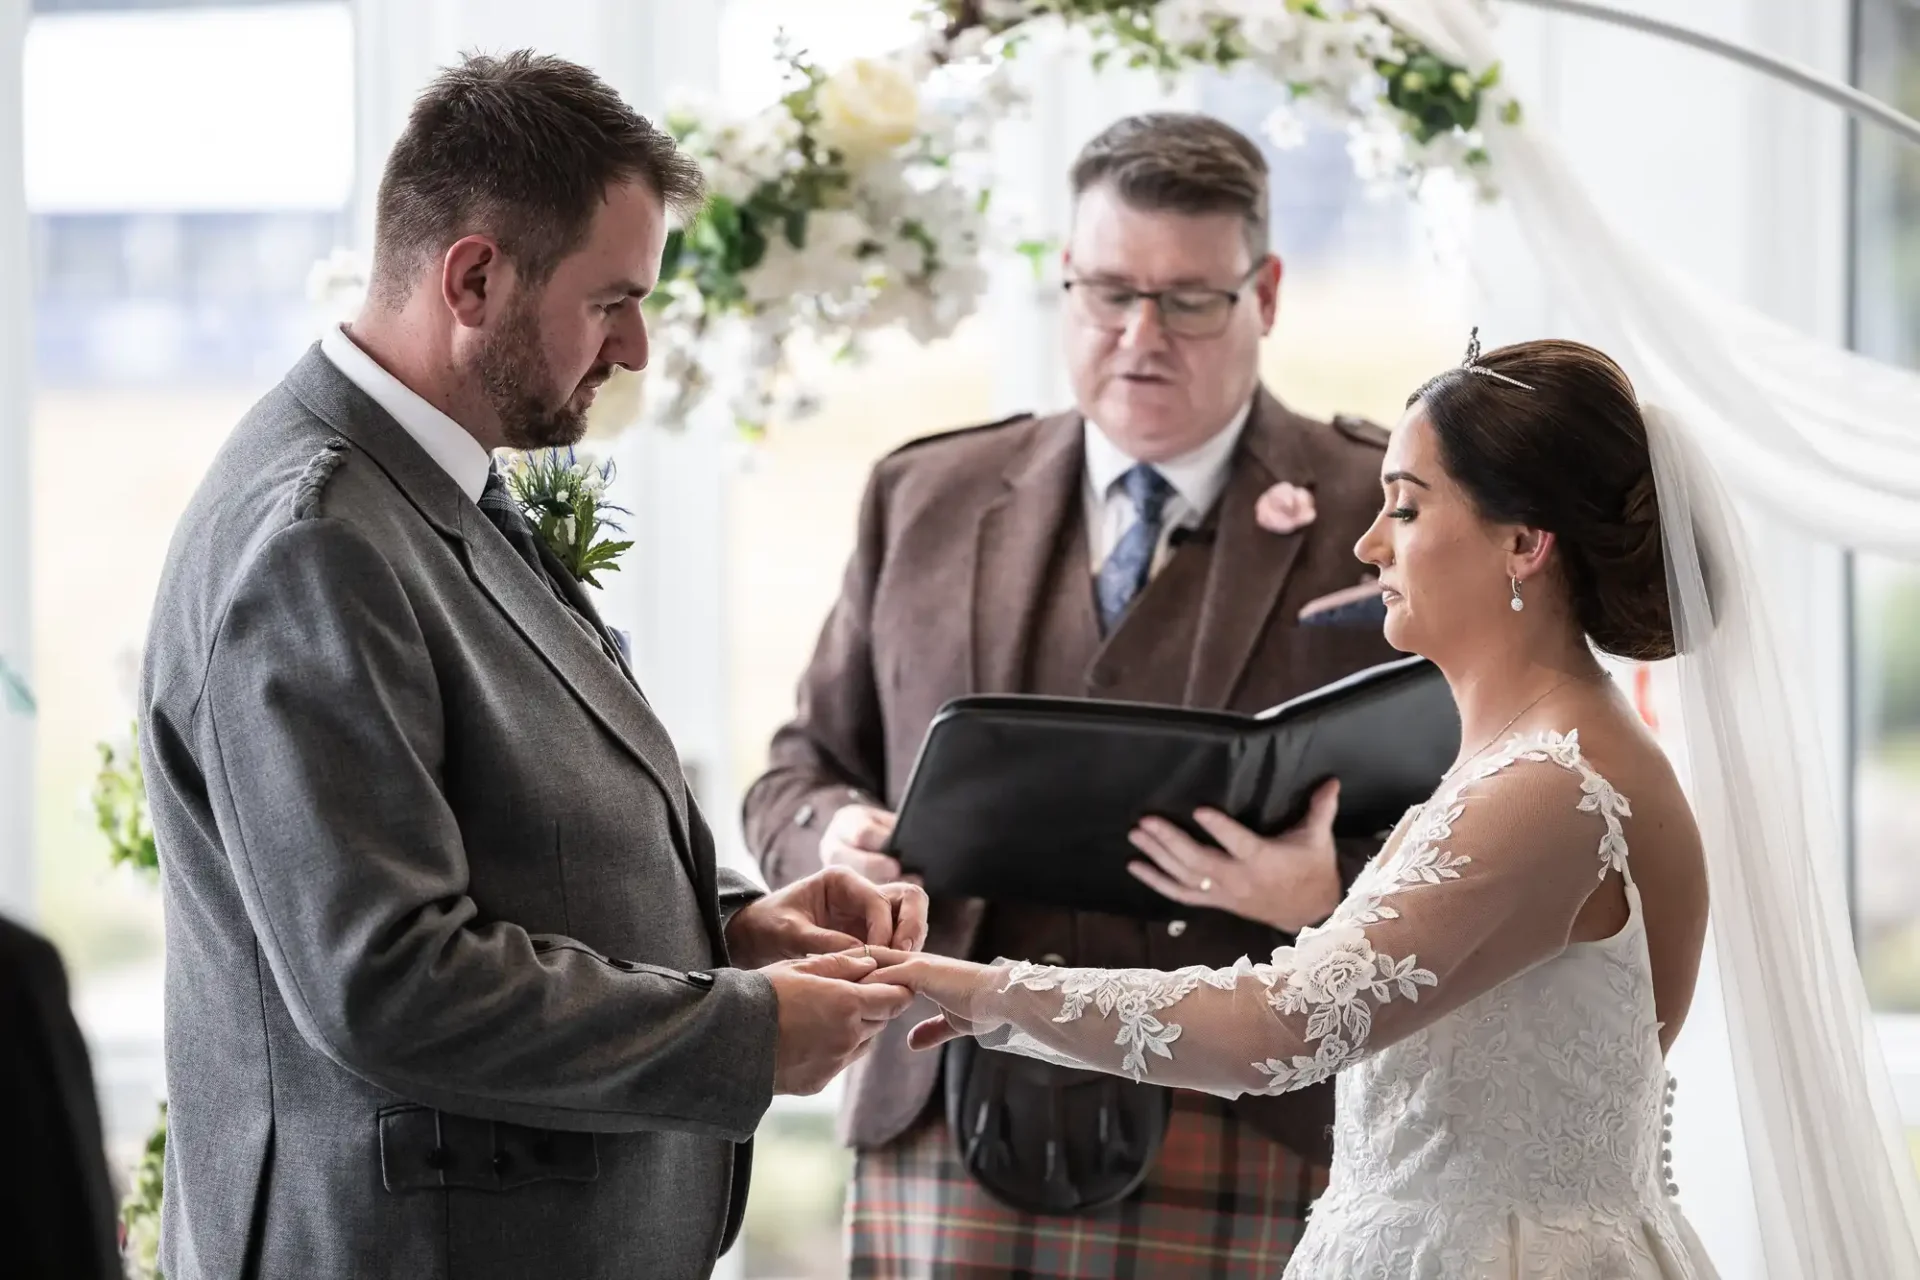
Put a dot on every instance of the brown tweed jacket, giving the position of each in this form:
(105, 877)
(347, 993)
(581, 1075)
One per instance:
(970, 575)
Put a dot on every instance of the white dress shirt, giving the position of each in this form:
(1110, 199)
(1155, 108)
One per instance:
(446, 441)
(1197, 477)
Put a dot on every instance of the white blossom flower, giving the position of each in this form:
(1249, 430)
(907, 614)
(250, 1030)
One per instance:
(1378, 153)
(998, 11)
(1284, 127)
(868, 108)
(1186, 22)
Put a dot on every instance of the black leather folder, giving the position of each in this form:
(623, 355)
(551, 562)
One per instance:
(1017, 798)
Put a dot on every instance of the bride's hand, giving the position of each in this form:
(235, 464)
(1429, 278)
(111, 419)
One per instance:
(954, 985)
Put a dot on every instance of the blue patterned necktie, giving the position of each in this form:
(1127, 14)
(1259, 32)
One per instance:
(1130, 563)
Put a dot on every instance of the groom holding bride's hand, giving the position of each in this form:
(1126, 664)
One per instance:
(454, 983)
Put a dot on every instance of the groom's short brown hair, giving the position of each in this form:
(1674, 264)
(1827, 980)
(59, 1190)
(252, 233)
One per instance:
(521, 147)
(1180, 162)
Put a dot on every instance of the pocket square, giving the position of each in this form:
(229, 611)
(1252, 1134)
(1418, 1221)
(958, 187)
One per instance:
(1351, 606)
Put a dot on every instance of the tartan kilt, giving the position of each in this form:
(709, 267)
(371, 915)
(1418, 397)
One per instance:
(1223, 1201)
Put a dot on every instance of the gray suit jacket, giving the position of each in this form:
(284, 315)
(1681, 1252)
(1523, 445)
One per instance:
(447, 992)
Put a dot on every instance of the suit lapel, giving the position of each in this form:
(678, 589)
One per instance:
(576, 595)
(1013, 547)
(1249, 565)
(600, 687)
(574, 655)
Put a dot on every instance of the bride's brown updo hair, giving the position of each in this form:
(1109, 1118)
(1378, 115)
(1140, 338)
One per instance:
(1568, 456)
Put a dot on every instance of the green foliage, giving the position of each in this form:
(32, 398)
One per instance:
(120, 806)
(730, 236)
(18, 694)
(564, 500)
(1036, 252)
(1433, 96)
(1436, 97)
(1891, 644)
(140, 1211)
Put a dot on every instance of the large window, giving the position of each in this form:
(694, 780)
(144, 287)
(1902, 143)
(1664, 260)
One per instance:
(1887, 592)
(171, 236)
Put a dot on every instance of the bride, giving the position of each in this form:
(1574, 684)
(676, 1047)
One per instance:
(1499, 989)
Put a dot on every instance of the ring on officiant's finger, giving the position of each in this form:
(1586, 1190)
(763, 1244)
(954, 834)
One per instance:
(1206, 884)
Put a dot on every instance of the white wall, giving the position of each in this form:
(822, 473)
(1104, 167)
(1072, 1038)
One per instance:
(16, 365)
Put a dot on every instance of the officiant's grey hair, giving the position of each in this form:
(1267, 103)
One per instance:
(521, 147)
(1179, 162)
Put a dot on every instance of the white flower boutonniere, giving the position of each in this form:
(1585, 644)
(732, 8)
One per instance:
(564, 499)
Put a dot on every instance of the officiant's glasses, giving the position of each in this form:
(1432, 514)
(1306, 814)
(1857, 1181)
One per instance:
(1186, 312)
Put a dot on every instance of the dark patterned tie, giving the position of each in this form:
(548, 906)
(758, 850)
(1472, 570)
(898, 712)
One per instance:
(1131, 562)
(497, 504)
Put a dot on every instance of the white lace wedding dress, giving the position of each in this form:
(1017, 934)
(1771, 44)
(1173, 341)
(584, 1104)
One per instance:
(1502, 1095)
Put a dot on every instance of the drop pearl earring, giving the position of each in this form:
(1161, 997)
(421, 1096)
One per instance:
(1517, 604)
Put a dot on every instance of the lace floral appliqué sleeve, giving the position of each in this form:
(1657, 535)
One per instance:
(1484, 883)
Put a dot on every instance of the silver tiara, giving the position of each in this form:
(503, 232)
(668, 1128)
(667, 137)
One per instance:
(1472, 364)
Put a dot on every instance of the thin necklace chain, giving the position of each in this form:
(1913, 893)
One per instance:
(1515, 720)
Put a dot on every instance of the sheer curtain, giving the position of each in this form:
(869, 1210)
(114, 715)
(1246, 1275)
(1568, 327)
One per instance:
(1827, 441)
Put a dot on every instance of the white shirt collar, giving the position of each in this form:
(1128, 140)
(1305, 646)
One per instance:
(1197, 475)
(445, 441)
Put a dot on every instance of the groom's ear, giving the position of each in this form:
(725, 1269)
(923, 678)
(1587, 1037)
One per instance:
(474, 278)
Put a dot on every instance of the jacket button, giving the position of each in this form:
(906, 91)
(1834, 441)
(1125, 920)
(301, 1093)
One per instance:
(699, 979)
(804, 816)
(437, 1158)
(1176, 927)
(1053, 960)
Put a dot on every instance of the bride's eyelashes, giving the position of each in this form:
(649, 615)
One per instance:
(1402, 513)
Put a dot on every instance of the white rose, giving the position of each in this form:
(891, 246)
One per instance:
(867, 109)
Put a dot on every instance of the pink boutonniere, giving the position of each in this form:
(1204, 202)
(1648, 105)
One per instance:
(1285, 508)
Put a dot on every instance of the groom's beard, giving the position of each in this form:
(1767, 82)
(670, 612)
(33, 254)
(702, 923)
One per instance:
(533, 413)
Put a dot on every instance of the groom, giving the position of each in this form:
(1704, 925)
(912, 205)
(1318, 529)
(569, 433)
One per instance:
(454, 986)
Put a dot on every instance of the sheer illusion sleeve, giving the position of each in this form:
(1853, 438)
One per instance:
(1477, 887)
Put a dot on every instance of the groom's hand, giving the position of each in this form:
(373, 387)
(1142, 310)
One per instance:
(831, 910)
(827, 1017)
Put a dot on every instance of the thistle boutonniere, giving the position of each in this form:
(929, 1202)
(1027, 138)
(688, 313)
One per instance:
(564, 498)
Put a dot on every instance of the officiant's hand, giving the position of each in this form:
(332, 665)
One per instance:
(828, 1017)
(830, 910)
(854, 839)
(1287, 882)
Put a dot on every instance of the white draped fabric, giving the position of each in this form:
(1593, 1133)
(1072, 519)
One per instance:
(1826, 439)
(1830, 441)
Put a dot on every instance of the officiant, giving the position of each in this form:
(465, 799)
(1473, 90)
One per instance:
(1179, 537)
